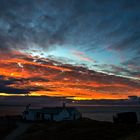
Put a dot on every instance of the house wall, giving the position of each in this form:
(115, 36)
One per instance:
(75, 115)
(47, 116)
(63, 115)
(31, 116)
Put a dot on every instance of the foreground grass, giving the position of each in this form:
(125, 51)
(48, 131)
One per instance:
(78, 130)
(134, 136)
(6, 127)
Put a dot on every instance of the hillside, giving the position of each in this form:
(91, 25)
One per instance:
(78, 130)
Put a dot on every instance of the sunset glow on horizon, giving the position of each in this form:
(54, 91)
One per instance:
(27, 75)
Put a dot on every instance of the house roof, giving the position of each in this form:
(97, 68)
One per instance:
(54, 110)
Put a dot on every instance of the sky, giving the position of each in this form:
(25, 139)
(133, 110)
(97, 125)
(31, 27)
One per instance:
(78, 49)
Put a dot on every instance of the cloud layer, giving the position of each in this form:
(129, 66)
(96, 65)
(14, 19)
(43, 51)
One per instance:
(51, 78)
(66, 43)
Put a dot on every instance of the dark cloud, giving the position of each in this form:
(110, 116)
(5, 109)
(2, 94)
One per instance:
(5, 85)
(134, 61)
(128, 69)
(130, 43)
(61, 22)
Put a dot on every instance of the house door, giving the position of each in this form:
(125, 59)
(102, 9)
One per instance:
(51, 117)
(39, 116)
(74, 117)
(42, 116)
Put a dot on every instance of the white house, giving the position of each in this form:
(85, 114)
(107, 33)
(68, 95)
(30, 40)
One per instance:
(51, 114)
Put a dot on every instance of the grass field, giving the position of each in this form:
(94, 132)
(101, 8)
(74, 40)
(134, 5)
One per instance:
(6, 127)
(79, 130)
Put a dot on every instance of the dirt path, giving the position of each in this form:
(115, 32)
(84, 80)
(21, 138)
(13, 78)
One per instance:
(22, 127)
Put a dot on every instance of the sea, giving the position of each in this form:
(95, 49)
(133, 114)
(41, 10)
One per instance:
(95, 112)
(106, 112)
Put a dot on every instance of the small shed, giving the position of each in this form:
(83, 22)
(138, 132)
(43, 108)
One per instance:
(125, 117)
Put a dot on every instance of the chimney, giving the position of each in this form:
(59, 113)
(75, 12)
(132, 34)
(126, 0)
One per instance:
(64, 104)
(27, 107)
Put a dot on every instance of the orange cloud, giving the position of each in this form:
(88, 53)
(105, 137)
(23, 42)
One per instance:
(44, 77)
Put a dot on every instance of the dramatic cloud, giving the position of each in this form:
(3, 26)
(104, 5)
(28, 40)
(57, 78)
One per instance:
(51, 78)
(60, 47)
